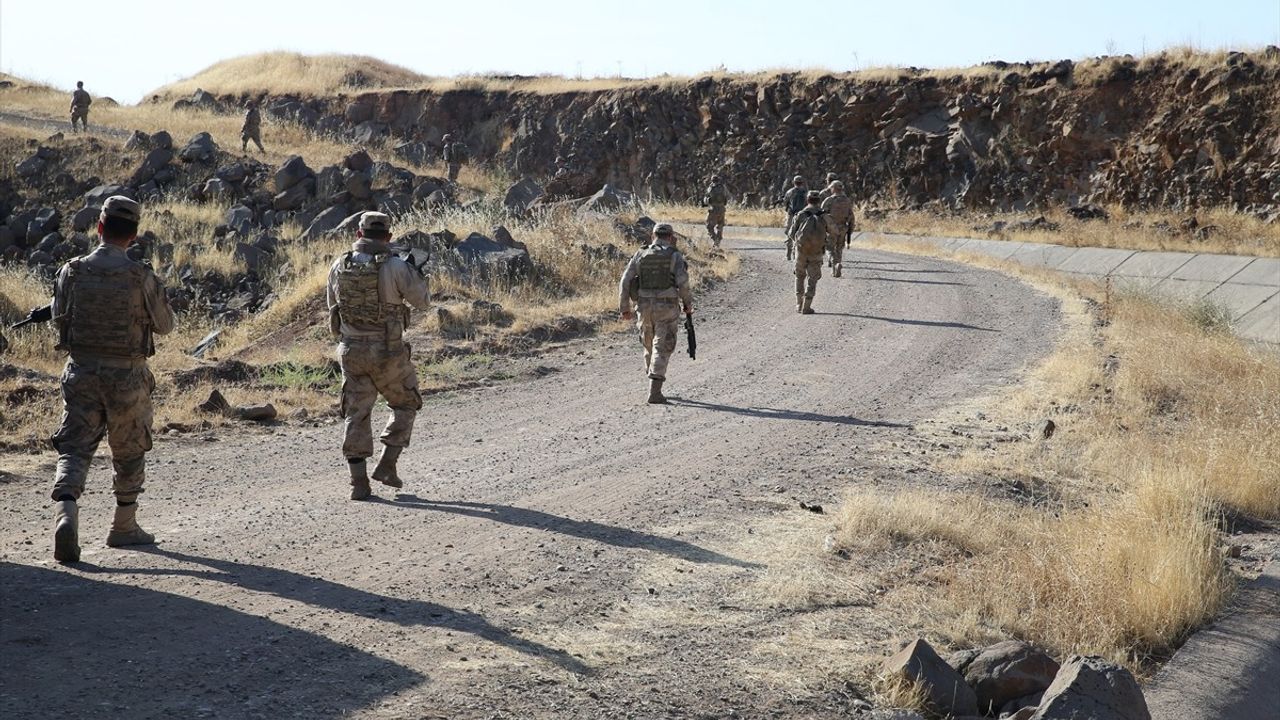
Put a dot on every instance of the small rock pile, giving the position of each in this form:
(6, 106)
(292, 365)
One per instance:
(1013, 680)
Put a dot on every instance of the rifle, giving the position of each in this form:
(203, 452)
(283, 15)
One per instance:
(36, 316)
(693, 338)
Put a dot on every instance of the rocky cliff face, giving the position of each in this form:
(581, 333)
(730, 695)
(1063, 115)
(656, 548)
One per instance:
(1160, 133)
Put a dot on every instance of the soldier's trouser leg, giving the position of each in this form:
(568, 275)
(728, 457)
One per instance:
(257, 140)
(837, 252)
(808, 271)
(358, 397)
(659, 327)
(397, 381)
(84, 423)
(453, 172)
(129, 417)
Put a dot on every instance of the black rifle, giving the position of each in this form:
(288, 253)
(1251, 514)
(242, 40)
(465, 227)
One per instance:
(36, 316)
(693, 337)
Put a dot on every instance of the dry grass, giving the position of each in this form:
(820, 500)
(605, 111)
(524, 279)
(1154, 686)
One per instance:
(1164, 426)
(293, 73)
(1232, 233)
(734, 214)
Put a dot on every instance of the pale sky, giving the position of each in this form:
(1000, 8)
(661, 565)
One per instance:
(129, 47)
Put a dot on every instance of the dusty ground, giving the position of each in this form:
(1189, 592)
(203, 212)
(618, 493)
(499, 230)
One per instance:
(559, 550)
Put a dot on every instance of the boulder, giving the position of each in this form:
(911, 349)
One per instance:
(240, 219)
(151, 165)
(418, 153)
(1088, 211)
(98, 195)
(46, 220)
(425, 187)
(521, 194)
(235, 173)
(1007, 671)
(492, 260)
(214, 188)
(1090, 687)
(329, 182)
(326, 222)
(201, 148)
(946, 691)
(162, 139)
(369, 132)
(291, 172)
(30, 167)
(138, 141)
(254, 258)
(609, 200)
(358, 161)
(358, 184)
(49, 242)
(295, 197)
(85, 218)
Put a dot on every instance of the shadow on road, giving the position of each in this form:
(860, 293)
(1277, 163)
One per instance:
(345, 599)
(586, 529)
(905, 321)
(913, 282)
(75, 647)
(777, 414)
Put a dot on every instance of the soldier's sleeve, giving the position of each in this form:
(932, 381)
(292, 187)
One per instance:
(413, 287)
(331, 287)
(162, 317)
(624, 285)
(682, 280)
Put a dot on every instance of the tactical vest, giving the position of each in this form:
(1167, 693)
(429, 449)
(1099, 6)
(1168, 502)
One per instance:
(360, 303)
(657, 270)
(106, 313)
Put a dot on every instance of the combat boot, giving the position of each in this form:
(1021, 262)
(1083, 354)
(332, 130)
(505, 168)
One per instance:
(359, 479)
(125, 529)
(655, 392)
(807, 308)
(385, 472)
(66, 531)
(799, 302)
(835, 271)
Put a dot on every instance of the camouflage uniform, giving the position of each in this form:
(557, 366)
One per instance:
(828, 190)
(839, 210)
(107, 307)
(454, 155)
(794, 202)
(716, 198)
(808, 264)
(656, 284)
(251, 129)
(367, 294)
(80, 102)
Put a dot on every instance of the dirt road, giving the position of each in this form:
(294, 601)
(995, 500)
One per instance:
(559, 550)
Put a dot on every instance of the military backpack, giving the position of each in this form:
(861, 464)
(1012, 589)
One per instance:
(811, 232)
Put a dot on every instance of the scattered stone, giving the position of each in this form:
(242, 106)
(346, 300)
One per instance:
(85, 218)
(291, 172)
(609, 200)
(811, 507)
(947, 692)
(255, 413)
(1049, 428)
(216, 404)
(521, 195)
(1007, 671)
(1088, 211)
(199, 149)
(207, 343)
(490, 259)
(1090, 687)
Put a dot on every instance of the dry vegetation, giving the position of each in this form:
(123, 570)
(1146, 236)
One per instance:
(1167, 428)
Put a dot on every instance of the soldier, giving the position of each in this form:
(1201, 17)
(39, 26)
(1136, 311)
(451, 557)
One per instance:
(367, 291)
(811, 236)
(839, 210)
(454, 154)
(794, 202)
(826, 189)
(654, 287)
(80, 102)
(716, 198)
(252, 128)
(107, 307)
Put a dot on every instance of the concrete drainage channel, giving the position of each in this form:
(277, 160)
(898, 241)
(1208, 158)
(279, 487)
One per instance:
(1247, 287)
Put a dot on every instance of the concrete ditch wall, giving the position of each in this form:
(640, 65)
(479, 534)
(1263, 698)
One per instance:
(1247, 287)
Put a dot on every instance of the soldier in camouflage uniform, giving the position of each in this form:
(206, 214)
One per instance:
(839, 210)
(252, 128)
(826, 189)
(80, 102)
(811, 237)
(655, 288)
(454, 154)
(794, 202)
(716, 198)
(367, 294)
(107, 307)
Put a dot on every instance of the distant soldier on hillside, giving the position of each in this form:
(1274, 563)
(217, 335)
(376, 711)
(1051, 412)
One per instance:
(80, 102)
(716, 198)
(454, 155)
(252, 128)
